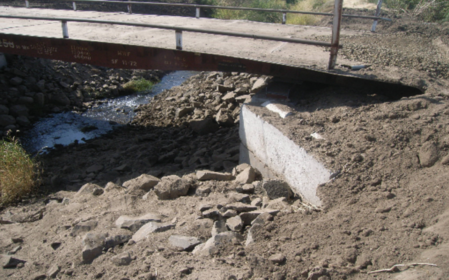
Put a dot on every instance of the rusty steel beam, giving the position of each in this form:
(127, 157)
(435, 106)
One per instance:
(141, 57)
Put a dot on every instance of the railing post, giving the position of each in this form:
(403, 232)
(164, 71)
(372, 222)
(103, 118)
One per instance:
(27, 3)
(197, 12)
(284, 18)
(179, 40)
(338, 7)
(130, 8)
(379, 6)
(74, 5)
(65, 30)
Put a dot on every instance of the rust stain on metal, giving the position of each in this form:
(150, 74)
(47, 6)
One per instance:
(141, 57)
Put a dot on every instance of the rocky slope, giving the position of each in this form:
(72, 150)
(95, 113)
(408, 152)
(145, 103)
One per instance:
(31, 88)
(385, 206)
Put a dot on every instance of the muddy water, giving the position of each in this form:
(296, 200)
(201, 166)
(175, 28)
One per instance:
(69, 127)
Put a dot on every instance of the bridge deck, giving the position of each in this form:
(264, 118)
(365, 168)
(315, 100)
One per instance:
(130, 47)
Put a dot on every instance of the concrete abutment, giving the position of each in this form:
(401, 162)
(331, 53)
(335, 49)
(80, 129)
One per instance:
(276, 156)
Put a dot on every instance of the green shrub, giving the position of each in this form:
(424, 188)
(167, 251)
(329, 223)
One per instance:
(298, 5)
(250, 15)
(309, 5)
(266, 16)
(18, 172)
(428, 10)
(138, 85)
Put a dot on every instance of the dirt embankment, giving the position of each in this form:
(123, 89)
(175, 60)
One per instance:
(385, 206)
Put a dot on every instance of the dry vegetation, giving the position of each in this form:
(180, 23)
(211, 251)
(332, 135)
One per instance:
(18, 172)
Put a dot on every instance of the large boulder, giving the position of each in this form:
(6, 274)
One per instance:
(276, 188)
(115, 240)
(7, 261)
(92, 246)
(149, 228)
(16, 81)
(218, 227)
(258, 85)
(6, 120)
(224, 118)
(135, 223)
(143, 182)
(235, 223)
(4, 110)
(85, 226)
(204, 175)
(39, 98)
(249, 217)
(23, 121)
(18, 110)
(216, 242)
(60, 98)
(87, 189)
(181, 112)
(121, 259)
(183, 243)
(171, 187)
(256, 231)
(230, 96)
(428, 154)
(240, 207)
(247, 176)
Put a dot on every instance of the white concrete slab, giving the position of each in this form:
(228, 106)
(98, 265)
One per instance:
(275, 155)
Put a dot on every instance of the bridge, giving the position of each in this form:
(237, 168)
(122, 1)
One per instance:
(137, 41)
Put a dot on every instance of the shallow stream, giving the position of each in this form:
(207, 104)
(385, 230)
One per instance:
(68, 127)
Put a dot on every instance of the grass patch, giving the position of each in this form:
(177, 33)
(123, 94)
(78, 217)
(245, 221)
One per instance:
(138, 85)
(18, 172)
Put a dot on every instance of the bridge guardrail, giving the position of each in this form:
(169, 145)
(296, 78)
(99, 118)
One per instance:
(178, 30)
(334, 45)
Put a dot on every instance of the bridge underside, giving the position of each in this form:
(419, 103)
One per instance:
(141, 57)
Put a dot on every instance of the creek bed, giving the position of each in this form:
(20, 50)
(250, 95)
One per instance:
(70, 127)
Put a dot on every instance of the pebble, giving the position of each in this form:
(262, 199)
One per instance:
(277, 258)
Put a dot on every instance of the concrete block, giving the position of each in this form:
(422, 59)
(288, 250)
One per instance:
(274, 154)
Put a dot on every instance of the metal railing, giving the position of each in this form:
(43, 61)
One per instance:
(167, 27)
(199, 7)
(334, 45)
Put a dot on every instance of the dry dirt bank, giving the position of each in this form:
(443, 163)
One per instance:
(387, 206)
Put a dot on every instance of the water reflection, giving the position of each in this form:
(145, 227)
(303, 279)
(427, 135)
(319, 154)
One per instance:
(68, 127)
